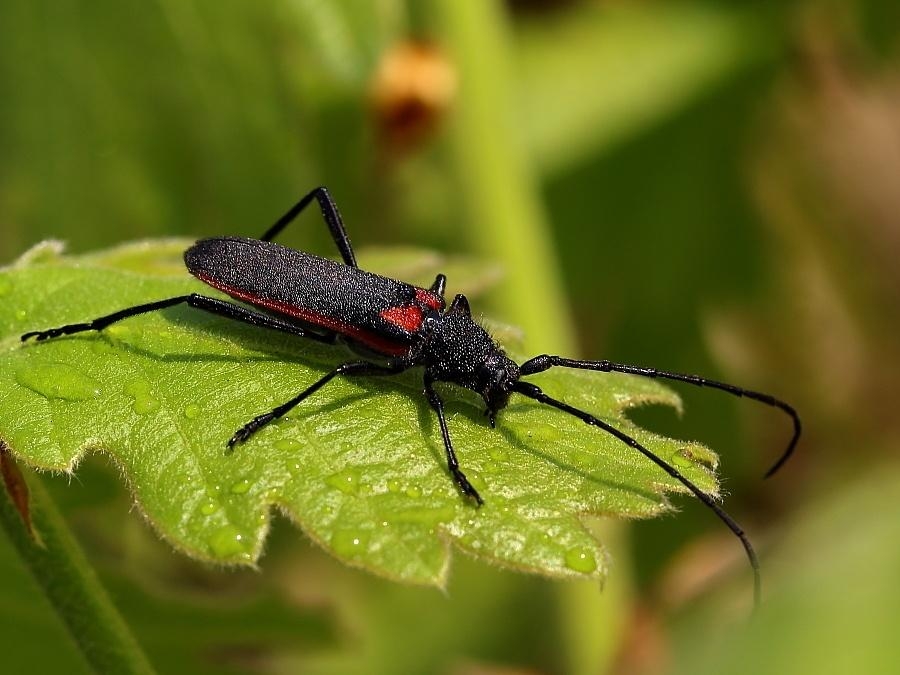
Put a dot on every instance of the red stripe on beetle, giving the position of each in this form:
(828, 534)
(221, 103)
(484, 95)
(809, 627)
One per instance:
(430, 299)
(408, 318)
(375, 342)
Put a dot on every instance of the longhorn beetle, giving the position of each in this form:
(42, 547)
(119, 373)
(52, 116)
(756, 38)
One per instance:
(401, 325)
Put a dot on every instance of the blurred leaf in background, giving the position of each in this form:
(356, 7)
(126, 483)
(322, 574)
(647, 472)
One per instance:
(721, 182)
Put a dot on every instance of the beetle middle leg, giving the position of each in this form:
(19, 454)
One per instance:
(332, 218)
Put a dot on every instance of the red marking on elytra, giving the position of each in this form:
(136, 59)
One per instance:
(430, 299)
(408, 318)
(375, 342)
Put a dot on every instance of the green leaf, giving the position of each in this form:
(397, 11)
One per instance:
(360, 467)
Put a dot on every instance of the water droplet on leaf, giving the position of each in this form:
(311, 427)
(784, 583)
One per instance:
(227, 542)
(349, 542)
(140, 390)
(288, 445)
(58, 380)
(347, 481)
(241, 487)
(489, 467)
(681, 459)
(498, 454)
(424, 516)
(581, 560)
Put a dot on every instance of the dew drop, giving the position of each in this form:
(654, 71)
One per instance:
(140, 391)
(413, 491)
(680, 459)
(192, 411)
(498, 454)
(581, 560)
(241, 487)
(227, 542)
(288, 445)
(349, 543)
(21, 314)
(489, 467)
(118, 331)
(393, 485)
(431, 517)
(58, 380)
(209, 507)
(347, 481)
(541, 432)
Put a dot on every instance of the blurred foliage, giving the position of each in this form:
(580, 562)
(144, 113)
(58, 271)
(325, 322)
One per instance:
(721, 184)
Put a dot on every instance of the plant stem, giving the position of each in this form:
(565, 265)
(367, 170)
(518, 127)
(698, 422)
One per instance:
(505, 220)
(61, 569)
(504, 217)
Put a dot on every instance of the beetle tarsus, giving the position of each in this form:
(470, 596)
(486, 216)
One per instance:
(466, 487)
(243, 434)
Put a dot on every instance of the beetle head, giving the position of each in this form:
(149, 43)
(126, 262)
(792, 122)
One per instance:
(496, 376)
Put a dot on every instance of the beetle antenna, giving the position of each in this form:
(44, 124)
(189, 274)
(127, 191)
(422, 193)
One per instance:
(541, 363)
(534, 392)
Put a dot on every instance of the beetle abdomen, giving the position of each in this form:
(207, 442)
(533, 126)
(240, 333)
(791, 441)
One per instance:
(382, 313)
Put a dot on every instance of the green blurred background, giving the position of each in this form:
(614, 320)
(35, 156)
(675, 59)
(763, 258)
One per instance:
(710, 187)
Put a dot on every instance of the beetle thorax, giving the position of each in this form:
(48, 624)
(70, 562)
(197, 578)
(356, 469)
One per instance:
(458, 350)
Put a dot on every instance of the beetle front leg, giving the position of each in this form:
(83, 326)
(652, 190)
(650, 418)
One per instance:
(452, 463)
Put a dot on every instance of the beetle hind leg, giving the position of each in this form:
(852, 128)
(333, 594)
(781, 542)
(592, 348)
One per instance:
(223, 308)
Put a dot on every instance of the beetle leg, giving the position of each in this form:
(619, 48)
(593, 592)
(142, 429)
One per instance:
(440, 283)
(212, 305)
(350, 369)
(332, 218)
(452, 463)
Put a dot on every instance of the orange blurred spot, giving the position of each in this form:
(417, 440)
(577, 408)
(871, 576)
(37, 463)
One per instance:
(413, 87)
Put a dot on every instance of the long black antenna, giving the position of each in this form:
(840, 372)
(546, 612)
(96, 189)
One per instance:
(545, 361)
(533, 391)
